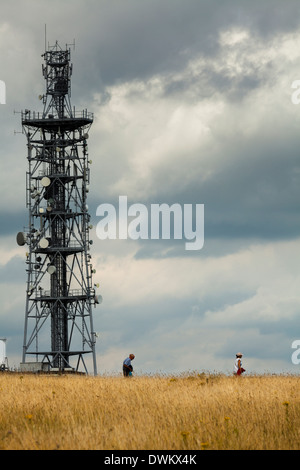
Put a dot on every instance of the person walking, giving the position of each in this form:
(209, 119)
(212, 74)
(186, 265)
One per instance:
(238, 369)
(127, 367)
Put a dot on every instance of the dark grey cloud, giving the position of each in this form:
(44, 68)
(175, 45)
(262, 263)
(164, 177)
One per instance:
(137, 40)
(210, 83)
(13, 222)
(125, 40)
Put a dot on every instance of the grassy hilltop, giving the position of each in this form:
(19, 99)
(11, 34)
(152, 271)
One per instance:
(187, 412)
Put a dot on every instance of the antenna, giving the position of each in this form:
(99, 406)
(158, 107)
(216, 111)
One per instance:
(45, 37)
(71, 45)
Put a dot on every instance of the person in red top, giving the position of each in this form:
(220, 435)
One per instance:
(238, 369)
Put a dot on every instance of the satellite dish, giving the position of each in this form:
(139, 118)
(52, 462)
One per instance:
(44, 243)
(21, 238)
(98, 299)
(51, 269)
(46, 181)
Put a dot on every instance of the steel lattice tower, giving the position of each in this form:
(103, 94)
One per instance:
(60, 291)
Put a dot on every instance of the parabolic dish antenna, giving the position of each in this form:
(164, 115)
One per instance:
(21, 238)
(98, 299)
(44, 243)
(46, 181)
(51, 269)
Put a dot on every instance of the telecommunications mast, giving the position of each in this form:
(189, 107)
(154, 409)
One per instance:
(58, 332)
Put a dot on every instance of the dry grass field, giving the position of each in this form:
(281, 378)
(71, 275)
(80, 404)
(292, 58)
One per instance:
(187, 412)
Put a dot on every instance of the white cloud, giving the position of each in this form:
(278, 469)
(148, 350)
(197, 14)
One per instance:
(234, 36)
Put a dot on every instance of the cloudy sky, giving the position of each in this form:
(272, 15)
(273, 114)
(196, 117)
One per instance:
(192, 103)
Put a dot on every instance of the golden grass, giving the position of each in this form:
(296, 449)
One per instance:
(187, 412)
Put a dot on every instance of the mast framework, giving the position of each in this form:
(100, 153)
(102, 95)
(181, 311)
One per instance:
(60, 290)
